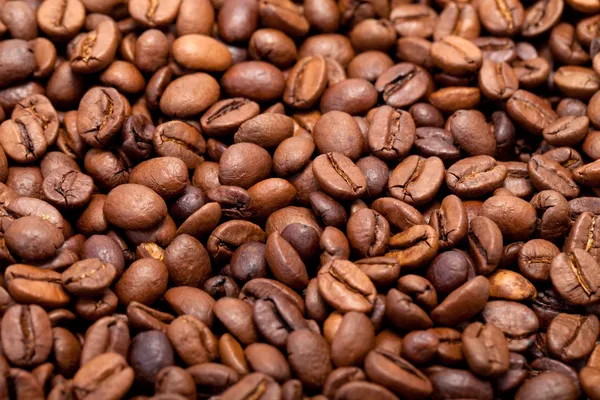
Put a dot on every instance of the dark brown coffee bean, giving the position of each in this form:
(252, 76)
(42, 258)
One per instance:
(518, 322)
(416, 180)
(530, 111)
(391, 133)
(144, 281)
(192, 340)
(458, 20)
(249, 79)
(339, 176)
(309, 357)
(404, 84)
(23, 139)
(414, 247)
(502, 19)
(26, 335)
(187, 261)
(415, 50)
(449, 270)
(348, 139)
(368, 233)
(226, 116)
(497, 80)
(88, 277)
(414, 20)
(572, 337)
(96, 49)
(344, 286)
(456, 383)
(306, 82)
(573, 276)
(154, 14)
(100, 116)
(547, 174)
(540, 17)
(285, 263)
(354, 96)
(134, 207)
(328, 210)
(475, 176)
(535, 257)
(565, 47)
(265, 130)
(456, 55)
(486, 349)
(464, 302)
(398, 374)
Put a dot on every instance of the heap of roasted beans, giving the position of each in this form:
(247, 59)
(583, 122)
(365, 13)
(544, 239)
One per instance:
(318, 199)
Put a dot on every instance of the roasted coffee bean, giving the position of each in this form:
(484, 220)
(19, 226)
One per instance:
(464, 302)
(456, 55)
(398, 374)
(404, 84)
(573, 276)
(518, 322)
(530, 111)
(475, 176)
(416, 180)
(450, 222)
(449, 270)
(572, 337)
(95, 49)
(339, 176)
(414, 247)
(537, 387)
(107, 376)
(535, 258)
(485, 349)
(26, 335)
(344, 286)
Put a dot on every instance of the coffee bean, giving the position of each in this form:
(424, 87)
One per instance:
(26, 335)
(192, 340)
(502, 19)
(404, 84)
(414, 247)
(107, 375)
(416, 180)
(189, 95)
(449, 270)
(348, 139)
(396, 373)
(344, 286)
(456, 56)
(457, 382)
(537, 388)
(486, 349)
(95, 49)
(134, 206)
(464, 302)
(339, 176)
(475, 176)
(518, 322)
(88, 277)
(450, 222)
(309, 357)
(573, 276)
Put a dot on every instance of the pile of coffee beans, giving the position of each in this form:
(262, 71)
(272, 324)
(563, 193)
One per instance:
(299, 199)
